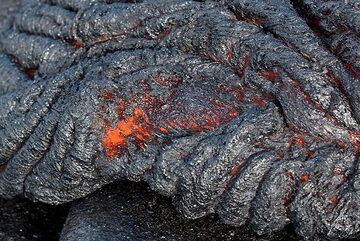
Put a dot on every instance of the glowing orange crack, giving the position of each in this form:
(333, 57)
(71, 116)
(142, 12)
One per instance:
(136, 125)
(136, 128)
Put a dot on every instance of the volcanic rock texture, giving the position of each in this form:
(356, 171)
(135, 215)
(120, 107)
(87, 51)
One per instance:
(248, 109)
(131, 211)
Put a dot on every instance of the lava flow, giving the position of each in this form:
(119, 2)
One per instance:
(136, 126)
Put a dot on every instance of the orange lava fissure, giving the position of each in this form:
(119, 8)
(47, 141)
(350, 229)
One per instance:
(270, 75)
(304, 178)
(76, 43)
(334, 200)
(135, 128)
(236, 170)
(136, 125)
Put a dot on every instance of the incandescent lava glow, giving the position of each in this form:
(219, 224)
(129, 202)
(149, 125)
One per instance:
(143, 120)
(135, 126)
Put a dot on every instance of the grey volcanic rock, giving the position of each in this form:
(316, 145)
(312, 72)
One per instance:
(23, 220)
(247, 109)
(131, 211)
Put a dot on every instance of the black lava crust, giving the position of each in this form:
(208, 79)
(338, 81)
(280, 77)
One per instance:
(248, 109)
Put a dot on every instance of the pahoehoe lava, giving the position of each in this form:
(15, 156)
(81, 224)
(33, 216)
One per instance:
(247, 109)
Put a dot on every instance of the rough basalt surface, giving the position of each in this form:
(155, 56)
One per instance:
(23, 220)
(131, 211)
(248, 109)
